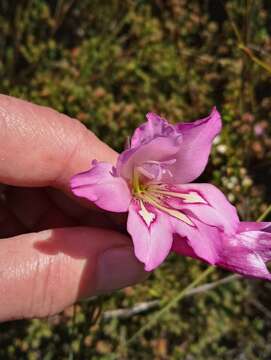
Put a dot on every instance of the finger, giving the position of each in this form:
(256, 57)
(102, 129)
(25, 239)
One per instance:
(42, 273)
(41, 147)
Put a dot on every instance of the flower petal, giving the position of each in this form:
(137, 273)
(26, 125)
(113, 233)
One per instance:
(250, 226)
(195, 147)
(207, 203)
(181, 246)
(103, 187)
(151, 233)
(247, 253)
(159, 149)
(257, 240)
(203, 239)
(155, 140)
(153, 128)
(188, 144)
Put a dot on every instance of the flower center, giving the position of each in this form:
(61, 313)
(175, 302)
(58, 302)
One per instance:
(138, 187)
(155, 195)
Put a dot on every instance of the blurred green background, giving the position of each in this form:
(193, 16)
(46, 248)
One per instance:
(108, 63)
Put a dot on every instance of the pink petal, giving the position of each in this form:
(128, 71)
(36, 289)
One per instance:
(195, 148)
(188, 144)
(155, 140)
(204, 240)
(181, 246)
(103, 187)
(217, 211)
(158, 149)
(247, 253)
(153, 128)
(248, 226)
(152, 243)
(255, 240)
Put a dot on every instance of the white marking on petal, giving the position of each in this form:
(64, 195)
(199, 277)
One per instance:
(178, 214)
(147, 216)
(191, 197)
(255, 260)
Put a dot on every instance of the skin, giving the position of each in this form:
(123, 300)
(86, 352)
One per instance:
(54, 249)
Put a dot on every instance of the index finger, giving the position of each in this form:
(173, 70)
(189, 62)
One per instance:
(41, 147)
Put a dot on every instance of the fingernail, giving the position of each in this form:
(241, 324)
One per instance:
(118, 268)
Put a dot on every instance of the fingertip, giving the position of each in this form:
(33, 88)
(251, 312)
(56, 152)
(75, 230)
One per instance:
(118, 268)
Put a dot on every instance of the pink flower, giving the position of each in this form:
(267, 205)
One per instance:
(152, 181)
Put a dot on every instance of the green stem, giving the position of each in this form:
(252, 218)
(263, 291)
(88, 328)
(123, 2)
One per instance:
(264, 214)
(242, 46)
(254, 58)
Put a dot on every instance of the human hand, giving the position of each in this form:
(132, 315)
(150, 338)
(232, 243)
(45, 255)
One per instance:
(53, 250)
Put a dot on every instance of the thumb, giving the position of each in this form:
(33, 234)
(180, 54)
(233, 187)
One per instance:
(42, 273)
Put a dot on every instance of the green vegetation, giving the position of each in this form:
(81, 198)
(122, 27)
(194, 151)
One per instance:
(108, 63)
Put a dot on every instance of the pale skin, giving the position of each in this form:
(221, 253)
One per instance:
(54, 249)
